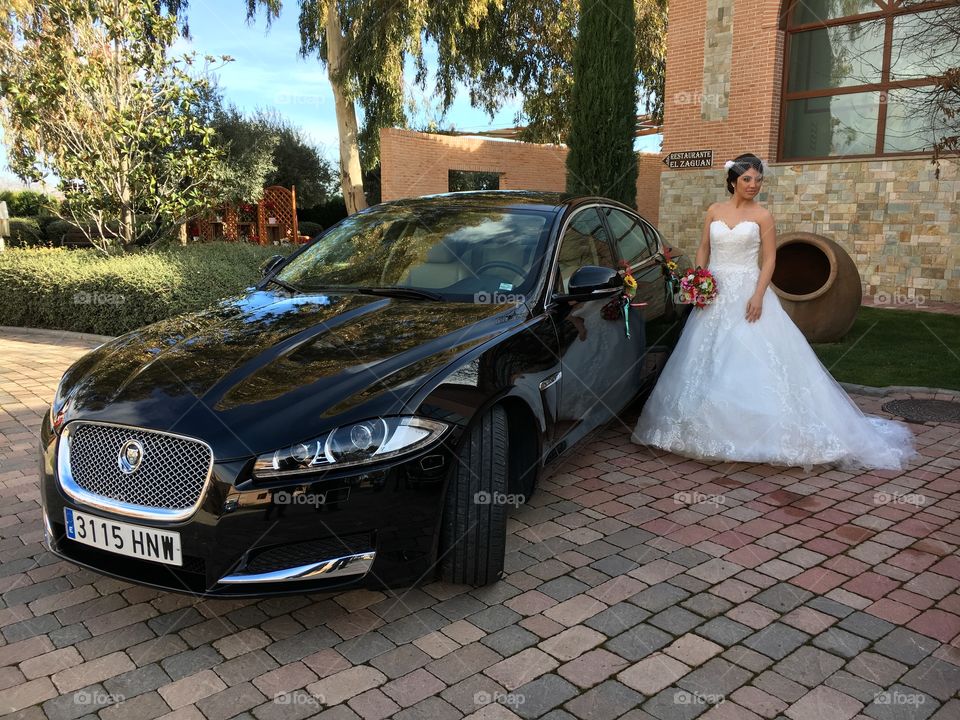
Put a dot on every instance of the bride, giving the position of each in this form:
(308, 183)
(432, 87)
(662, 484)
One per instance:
(742, 383)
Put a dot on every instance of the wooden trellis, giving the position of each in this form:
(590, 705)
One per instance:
(273, 220)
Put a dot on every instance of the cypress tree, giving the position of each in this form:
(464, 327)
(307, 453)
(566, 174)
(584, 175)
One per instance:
(603, 106)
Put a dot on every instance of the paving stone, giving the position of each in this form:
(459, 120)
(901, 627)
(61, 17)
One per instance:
(77, 703)
(243, 667)
(342, 686)
(563, 588)
(675, 620)
(659, 597)
(69, 635)
(362, 648)
(462, 663)
(854, 686)
(510, 640)
(189, 690)
(614, 565)
(808, 666)
(688, 557)
(173, 622)
(638, 642)
(592, 667)
(747, 658)
(230, 702)
(542, 695)
(400, 661)
(692, 650)
(135, 682)
(494, 618)
(901, 702)
(604, 702)
(936, 677)
(724, 631)
(472, 693)
(189, 662)
(412, 688)
(707, 605)
(824, 703)
(115, 640)
(572, 642)
(522, 668)
(145, 707)
(653, 674)
(840, 642)
(783, 597)
(675, 703)
(906, 646)
(779, 686)
(776, 640)
(30, 628)
(413, 626)
(689, 583)
(876, 668)
(617, 618)
(373, 705)
(866, 625)
(459, 607)
(831, 607)
(715, 677)
(433, 708)
(302, 644)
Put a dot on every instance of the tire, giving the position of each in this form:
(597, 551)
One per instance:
(473, 534)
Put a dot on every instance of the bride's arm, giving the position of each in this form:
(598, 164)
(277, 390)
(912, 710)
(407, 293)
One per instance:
(703, 252)
(768, 260)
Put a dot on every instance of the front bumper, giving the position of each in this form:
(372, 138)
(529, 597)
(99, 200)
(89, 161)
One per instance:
(313, 533)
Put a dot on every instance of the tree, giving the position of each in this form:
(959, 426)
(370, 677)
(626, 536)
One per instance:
(603, 103)
(90, 94)
(296, 161)
(247, 155)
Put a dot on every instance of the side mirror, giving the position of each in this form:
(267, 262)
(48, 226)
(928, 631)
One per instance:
(592, 283)
(271, 264)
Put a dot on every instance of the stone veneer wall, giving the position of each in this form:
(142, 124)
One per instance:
(899, 224)
(717, 56)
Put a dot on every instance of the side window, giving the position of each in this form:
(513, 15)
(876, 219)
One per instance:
(585, 242)
(633, 240)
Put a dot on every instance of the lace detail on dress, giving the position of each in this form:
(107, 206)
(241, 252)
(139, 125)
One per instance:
(756, 392)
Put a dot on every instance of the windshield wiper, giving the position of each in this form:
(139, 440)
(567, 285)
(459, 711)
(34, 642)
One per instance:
(400, 292)
(285, 285)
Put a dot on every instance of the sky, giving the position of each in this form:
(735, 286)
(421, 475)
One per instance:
(268, 72)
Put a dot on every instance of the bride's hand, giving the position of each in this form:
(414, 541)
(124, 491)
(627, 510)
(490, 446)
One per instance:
(754, 308)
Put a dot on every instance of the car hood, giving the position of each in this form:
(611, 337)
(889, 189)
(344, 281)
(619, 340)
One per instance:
(266, 369)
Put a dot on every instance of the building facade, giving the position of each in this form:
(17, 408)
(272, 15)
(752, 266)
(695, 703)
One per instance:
(832, 94)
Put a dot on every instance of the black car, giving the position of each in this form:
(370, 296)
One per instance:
(367, 414)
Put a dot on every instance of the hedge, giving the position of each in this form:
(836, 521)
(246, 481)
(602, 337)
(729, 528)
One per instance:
(27, 203)
(25, 232)
(310, 229)
(86, 291)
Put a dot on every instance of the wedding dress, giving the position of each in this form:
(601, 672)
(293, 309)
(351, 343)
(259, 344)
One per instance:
(756, 392)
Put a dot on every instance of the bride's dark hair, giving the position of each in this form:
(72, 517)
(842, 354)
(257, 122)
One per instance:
(741, 164)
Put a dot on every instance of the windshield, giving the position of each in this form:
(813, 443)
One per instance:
(457, 253)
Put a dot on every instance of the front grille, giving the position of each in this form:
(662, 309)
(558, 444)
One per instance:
(171, 475)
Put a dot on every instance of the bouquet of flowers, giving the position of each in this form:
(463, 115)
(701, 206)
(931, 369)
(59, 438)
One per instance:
(697, 287)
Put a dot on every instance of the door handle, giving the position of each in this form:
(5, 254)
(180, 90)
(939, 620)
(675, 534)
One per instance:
(548, 381)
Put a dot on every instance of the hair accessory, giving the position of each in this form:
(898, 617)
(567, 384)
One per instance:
(728, 164)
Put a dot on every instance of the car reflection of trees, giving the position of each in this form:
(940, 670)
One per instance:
(223, 336)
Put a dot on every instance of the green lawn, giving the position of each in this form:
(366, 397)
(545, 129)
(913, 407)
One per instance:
(897, 347)
(884, 347)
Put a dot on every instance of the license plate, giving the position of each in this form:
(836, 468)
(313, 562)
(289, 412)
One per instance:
(145, 543)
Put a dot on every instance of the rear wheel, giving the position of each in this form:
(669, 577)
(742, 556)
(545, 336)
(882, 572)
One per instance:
(473, 536)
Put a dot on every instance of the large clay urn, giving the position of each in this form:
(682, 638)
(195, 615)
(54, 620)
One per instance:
(818, 285)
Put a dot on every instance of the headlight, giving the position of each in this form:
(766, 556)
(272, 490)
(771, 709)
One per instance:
(358, 444)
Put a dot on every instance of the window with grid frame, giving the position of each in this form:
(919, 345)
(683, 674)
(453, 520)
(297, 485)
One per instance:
(860, 76)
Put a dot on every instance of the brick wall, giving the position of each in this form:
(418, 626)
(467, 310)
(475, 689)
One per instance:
(414, 164)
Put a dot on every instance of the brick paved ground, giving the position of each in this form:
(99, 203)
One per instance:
(637, 587)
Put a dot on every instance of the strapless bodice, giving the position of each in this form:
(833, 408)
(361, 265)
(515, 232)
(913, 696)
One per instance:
(736, 248)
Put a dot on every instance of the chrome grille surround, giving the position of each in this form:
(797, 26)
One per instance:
(169, 485)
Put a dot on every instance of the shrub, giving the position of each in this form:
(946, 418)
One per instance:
(25, 232)
(28, 203)
(327, 213)
(310, 229)
(86, 291)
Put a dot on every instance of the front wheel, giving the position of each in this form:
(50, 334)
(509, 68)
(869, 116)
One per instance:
(473, 536)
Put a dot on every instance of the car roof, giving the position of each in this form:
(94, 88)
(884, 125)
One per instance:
(507, 199)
